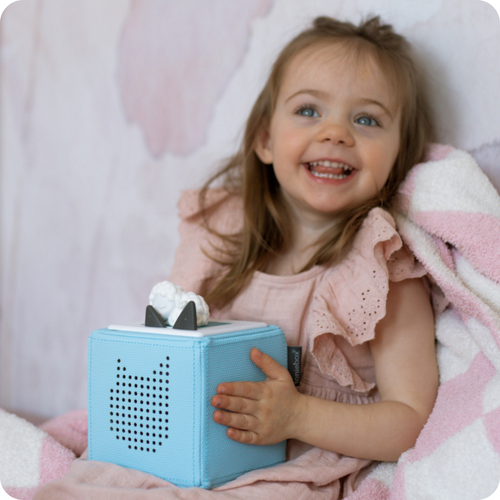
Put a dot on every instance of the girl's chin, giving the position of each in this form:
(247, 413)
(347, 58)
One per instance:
(321, 211)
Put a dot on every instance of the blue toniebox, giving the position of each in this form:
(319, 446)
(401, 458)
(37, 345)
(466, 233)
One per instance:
(149, 392)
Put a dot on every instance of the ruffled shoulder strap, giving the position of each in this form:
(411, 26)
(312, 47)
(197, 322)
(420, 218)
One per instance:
(189, 202)
(193, 268)
(351, 299)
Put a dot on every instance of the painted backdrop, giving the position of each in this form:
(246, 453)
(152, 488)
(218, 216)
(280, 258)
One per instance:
(108, 108)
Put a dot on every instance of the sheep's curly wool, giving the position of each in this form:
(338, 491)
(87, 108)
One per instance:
(169, 300)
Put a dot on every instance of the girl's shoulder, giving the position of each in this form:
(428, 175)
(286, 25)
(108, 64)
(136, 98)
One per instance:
(351, 298)
(220, 208)
(361, 279)
(194, 264)
(378, 244)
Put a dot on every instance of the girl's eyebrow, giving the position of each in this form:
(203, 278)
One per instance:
(314, 92)
(377, 103)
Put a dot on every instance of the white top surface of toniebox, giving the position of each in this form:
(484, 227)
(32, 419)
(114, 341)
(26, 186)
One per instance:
(213, 328)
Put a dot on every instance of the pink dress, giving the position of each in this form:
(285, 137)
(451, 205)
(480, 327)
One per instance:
(331, 311)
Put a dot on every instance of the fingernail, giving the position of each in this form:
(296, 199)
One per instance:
(218, 401)
(222, 389)
(258, 353)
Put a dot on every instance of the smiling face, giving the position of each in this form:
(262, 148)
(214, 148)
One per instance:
(335, 132)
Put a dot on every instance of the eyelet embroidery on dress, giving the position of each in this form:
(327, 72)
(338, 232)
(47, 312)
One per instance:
(362, 318)
(395, 267)
(400, 266)
(380, 279)
(326, 324)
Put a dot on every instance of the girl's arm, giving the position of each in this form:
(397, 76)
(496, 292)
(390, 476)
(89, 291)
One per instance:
(406, 372)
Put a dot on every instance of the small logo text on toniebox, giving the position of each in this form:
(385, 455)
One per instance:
(295, 363)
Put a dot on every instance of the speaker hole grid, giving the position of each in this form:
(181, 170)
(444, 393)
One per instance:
(146, 424)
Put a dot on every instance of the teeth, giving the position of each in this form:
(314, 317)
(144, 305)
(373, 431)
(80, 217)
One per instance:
(330, 164)
(328, 176)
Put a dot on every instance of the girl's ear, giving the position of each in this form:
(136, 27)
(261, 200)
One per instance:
(262, 146)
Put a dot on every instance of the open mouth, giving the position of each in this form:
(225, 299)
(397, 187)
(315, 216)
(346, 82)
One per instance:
(325, 169)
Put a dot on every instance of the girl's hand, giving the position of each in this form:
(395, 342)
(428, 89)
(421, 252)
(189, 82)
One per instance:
(259, 412)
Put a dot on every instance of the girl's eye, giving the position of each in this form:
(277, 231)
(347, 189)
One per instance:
(367, 120)
(308, 111)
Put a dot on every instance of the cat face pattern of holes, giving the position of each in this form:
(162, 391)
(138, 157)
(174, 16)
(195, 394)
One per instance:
(139, 407)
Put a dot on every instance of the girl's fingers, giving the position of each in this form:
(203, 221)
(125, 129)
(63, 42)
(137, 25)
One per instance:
(271, 368)
(235, 420)
(248, 390)
(246, 437)
(254, 390)
(235, 404)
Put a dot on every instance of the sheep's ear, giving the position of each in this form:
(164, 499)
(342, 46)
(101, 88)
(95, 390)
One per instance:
(153, 318)
(187, 318)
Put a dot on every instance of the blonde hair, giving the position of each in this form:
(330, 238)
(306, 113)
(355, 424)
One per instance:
(266, 229)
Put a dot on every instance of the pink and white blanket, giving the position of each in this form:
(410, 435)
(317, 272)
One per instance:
(451, 221)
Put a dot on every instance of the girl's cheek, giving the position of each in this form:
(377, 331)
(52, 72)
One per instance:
(369, 132)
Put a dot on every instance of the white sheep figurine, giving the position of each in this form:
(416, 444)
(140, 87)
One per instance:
(169, 300)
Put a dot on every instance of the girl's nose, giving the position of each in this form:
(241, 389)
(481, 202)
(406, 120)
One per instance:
(336, 133)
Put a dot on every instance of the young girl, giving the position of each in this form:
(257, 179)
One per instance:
(301, 236)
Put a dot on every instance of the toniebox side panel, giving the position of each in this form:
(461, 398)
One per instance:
(139, 391)
(229, 360)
